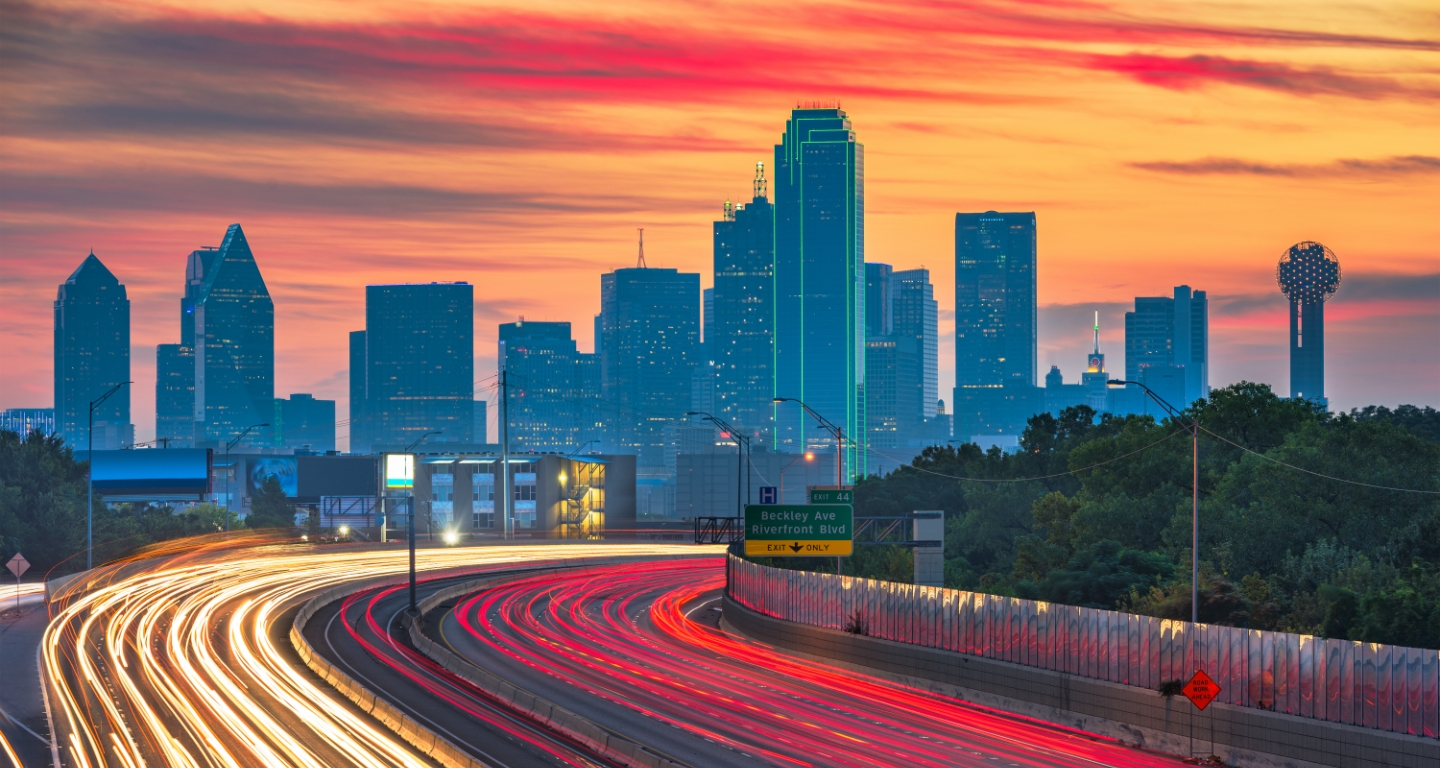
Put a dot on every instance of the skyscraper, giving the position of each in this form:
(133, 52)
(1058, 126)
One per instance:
(995, 323)
(901, 363)
(741, 331)
(175, 395)
(649, 334)
(233, 323)
(550, 407)
(92, 354)
(419, 364)
(915, 315)
(1308, 275)
(820, 282)
(359, 441)
(304, 422)
(1167, 345)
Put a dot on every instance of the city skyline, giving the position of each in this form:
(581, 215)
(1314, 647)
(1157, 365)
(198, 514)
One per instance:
(1130, 176)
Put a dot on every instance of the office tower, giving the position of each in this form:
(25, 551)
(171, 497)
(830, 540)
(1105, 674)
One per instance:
(92, 354)
(174, 395)
(550, 406)
(481, 421)
(1167, 341)
(1095, 379)
(878, 309)
(233, 341)
(901, 327)
(820, 283)
(707, 317)
(649, 334)
(995, 323)
(302, 422)
(742, 336)
(892, 393)
(1308, 275)
(23, 421)
(915, 315)
(419, 352)
(359, 441)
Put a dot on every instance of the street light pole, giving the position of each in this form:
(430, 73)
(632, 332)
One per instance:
(90, 476)
(806, 456)
(1194, 430)
(230, 471)
(833, 429)
(742, 445)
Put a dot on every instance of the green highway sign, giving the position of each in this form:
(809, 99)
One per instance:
(832, 496)
(800, 530)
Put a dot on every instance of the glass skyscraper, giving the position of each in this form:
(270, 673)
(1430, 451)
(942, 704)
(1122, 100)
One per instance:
(175, 395)
(551, 407)
(232, 332)
(901, 364)
(741, 330)
(1167, 346)
(419, 365)
(820, 282)
(995, 323)
(649, 328)
(92, 354)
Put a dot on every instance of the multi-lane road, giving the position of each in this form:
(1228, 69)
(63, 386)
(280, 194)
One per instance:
(187, 660)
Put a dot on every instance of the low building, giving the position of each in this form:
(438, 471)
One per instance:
(27, 420)
(706, 483)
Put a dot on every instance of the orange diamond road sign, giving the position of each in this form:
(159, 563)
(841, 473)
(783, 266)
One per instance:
(1201, 690)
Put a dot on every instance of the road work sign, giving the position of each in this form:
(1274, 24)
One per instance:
(1201, 690)
(799, 530)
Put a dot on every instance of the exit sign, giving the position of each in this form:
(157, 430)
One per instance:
(832, 496)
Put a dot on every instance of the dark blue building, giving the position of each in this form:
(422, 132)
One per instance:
(230, 325)
(740, 333)
(92, 354)
(820, 282)
(552, 405)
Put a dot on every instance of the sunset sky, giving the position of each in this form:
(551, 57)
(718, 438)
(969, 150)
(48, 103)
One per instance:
(518, 147)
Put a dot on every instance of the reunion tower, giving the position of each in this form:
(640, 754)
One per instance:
(1308, 275)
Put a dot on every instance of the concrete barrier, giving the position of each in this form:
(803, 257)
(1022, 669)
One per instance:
(1240, 736)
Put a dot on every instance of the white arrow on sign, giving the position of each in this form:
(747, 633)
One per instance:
(18, 565)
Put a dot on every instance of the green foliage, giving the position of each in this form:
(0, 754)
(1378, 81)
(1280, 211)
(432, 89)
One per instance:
(1097, 511)
(270, 508)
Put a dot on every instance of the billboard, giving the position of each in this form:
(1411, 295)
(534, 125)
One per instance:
(349, 476)
(282, 468)
(399, 471)
(152, 475)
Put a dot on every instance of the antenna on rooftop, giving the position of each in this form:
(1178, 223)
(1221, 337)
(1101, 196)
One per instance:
(760, 186)
(640, 262)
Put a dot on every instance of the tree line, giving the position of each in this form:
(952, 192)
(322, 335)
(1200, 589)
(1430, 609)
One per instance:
(1097, 512)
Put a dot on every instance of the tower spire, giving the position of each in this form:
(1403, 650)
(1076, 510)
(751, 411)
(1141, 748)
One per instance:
(1097, 331)
(761, 188)
(640, 262)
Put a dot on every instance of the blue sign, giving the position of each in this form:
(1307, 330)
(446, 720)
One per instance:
(769, 494)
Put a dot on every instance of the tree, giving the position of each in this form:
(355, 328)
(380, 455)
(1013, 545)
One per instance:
(270, 508)
(1103, 574)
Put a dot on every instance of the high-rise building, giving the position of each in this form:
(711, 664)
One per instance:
(419, 364)
(1308, 275)
(915, 315)
(1167, 343)
(550, 408)
(359, 441)
(879, 314)
(901, 345)
(92, 354)
(304, 422)
(649, 334)
(233, 323)
(175, 395)
(995, 323)
(820, 283)
(481, 420)
(741, 331)
(23, 421)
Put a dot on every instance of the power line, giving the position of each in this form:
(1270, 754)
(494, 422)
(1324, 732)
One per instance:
(1318, 474)
(1027, 479)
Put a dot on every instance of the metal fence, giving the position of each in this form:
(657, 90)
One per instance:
(1366, 684)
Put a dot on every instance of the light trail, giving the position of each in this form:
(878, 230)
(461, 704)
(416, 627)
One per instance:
(184, 660)
(620, 633)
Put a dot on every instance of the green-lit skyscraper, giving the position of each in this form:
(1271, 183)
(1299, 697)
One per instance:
(820, 282)
(92, 354)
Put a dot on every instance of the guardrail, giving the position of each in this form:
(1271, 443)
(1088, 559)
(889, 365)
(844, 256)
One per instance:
(1389, 688)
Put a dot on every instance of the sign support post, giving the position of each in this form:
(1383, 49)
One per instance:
(18, 565)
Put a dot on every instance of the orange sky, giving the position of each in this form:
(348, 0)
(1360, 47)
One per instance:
(518, 147)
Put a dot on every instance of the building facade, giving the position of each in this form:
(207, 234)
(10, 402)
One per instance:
(92, 354)
(550, 407)
(174, 396)
(995, 322)
(1167, 346)
(231, 323)
(23, 421)
(419, 364)
(302, 422)
(820, 283)
(649, 338)
(740, 332)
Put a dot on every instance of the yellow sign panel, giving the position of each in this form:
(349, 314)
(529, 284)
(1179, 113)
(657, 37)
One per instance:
(798, 548)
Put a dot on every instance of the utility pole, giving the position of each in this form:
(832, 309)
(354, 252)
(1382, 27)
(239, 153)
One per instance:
(90, 477)
(410, 534)
(505, 452)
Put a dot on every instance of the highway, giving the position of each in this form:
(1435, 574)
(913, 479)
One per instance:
(635, 649)
(186, 660)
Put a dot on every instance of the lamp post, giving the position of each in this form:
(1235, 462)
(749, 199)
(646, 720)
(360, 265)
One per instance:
(830, 427)
(808, 456)
(90, 476)
(1194, 429)
(742, 445)
(230, 471)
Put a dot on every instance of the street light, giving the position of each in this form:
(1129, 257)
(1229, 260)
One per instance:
(420, 440)
(742, 444)
(1194, 430)
(230, 471)
(808, 456)
(90, 482)
(826, 425)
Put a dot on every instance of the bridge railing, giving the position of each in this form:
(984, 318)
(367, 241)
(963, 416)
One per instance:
(1390, 688)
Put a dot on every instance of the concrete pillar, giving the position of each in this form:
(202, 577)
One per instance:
(929, 535)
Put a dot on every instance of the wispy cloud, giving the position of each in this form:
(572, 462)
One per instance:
(1405, 165)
